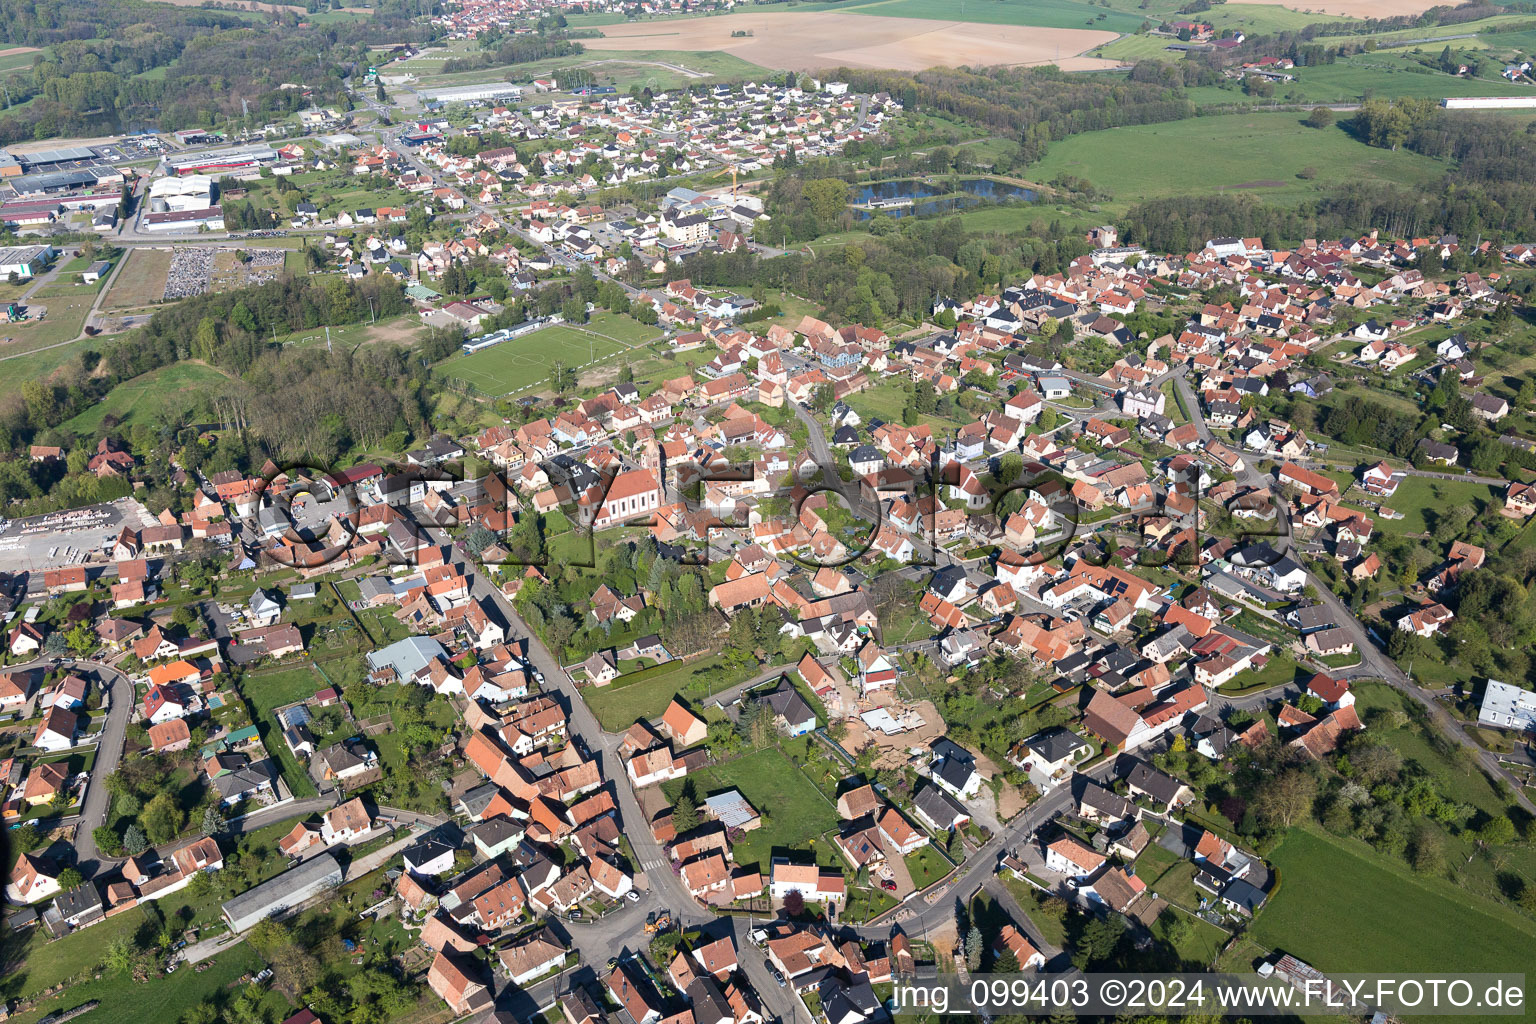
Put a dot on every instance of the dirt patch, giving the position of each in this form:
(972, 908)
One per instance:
(1355, 8)
(400, 332)
(14, 50)
(895, 750)
(807, 42)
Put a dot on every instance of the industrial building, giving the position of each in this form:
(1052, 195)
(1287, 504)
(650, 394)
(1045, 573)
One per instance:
(276, 896)
(28, 213)
(49, 159)
(339, 141)
(184, 220)
(220, 161)
(45, 182)
(187, 192)
(25, 260)
(472, 93)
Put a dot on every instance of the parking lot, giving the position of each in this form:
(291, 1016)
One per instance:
(59, 539)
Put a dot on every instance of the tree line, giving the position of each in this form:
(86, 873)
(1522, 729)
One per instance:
(1036, 105)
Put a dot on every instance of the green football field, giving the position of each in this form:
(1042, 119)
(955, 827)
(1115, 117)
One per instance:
(522, 363)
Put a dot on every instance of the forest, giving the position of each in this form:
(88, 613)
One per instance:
(515, 50)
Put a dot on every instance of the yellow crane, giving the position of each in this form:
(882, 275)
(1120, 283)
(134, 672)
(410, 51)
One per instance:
(732, 168)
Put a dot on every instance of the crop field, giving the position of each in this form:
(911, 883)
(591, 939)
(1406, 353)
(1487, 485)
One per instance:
(524, 363)
(805, 42)
(17, 57)
(1260, 153)
(1036, 13)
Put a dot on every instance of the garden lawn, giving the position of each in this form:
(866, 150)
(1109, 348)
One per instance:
(1258, 154)
(268, 690)
(886, 400)
(1169, 875)
(1343, 907)
(795, 812)
(122, 1002)
(1417, 495)
(926, 866)
(619, 704)
(1199, 944)
(1050, 930)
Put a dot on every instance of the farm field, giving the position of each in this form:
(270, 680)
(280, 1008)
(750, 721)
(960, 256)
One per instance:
(1357, 8)
(1389, 75)
(166, 393)
(795, 811)
(1260, 153)
(1406, 34)
(1342, 907)
(804, 42)
(141, 282)
(14, 57)
(524, 363)
(1035, 13)
(621, 68)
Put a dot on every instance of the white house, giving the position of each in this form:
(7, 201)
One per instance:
(1069, 857)
(954, 770)
(1142, 402)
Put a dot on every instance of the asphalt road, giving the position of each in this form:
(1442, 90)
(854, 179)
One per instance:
(109, 751)
(1374, 662)
(622, 931)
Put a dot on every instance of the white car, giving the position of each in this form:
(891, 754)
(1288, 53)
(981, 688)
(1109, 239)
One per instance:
(632, 896)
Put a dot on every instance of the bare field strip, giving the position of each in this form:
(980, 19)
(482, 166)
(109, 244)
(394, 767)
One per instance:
(811, 41)
(1355, 8)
